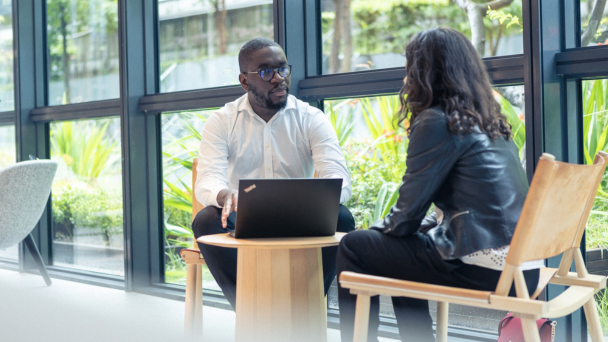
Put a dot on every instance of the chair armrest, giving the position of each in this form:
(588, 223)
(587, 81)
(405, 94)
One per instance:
(597, 282)
(192, 256)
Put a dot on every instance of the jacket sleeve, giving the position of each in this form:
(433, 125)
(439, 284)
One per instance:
(431, 154)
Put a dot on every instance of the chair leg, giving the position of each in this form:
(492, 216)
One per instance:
(441, 334)
(198, 302)
(31, 246)
(361, 317)
(593, 321)
(190, 299)
(530, 330)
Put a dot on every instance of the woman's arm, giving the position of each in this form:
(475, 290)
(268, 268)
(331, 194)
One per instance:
(431, 154)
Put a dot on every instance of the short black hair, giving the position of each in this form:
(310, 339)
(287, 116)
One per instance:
(250, 47)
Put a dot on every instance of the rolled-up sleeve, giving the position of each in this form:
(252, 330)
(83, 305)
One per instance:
(327, 156)
(212, 162)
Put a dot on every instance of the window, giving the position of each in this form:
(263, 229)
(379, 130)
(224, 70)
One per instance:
(82, 38)
(7, 95)
(7, 157)
(594, 23)
(360, 35)
(181, 136)
(87, 205)
(199, 40)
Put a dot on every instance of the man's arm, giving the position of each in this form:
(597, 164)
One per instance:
(326, 154)
(212, 162)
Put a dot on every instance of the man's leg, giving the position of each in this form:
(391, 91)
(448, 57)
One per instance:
(221, 261)
(346, 223)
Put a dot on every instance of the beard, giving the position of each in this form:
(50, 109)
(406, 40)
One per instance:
(265, 99)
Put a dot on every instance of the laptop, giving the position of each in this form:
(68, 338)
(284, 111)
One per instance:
(279, 208)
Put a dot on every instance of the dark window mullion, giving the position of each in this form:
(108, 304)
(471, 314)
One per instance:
(76, 111)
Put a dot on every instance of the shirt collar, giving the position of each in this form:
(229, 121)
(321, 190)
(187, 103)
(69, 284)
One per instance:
(246, 106)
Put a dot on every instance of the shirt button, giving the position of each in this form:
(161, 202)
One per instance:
(268, 168)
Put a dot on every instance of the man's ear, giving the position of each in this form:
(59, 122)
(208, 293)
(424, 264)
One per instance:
(244, 82)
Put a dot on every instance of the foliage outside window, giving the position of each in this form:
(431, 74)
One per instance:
(181, 136)
(200, 39)
(83, 50)
(87, 206)
(368, 34)
(594, 22)
(7, 97)
(8, 157)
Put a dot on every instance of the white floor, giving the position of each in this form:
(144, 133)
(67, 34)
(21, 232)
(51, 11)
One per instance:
(67, 311)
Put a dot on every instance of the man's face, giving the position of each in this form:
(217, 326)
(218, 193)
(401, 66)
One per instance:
(267, 94)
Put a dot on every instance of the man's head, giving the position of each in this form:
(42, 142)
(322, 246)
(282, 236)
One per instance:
(265, 56)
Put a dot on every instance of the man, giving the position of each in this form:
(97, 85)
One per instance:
(266, 133)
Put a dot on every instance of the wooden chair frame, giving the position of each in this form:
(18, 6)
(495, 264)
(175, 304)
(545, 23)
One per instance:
(193, 317)
(547, 227)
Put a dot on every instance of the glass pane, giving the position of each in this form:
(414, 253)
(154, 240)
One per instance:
(375, 152)
(181, 136)
(595, 125)
(87, 195)
(83, 50)
(8, 157)
(594, 23)
(7, 97)
(200, 40)
(360, 35)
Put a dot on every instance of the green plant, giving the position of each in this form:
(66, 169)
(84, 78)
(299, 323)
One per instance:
(342, 124)
(601, 300)
(515, 120)
(387, 136)
(79, 204)
(84, 147)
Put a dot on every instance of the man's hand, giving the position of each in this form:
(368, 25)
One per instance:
(228, 199)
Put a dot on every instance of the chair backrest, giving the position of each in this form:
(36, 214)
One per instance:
(556, 209)
(24, 192)
(196, 205)
(553, 217)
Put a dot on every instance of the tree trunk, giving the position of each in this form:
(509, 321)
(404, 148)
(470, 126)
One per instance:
(348, 41)
(66, 57)
(220, 22)
(476, 12)
(334, 56)
(594, 22)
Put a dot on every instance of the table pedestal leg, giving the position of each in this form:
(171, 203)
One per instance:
(279, 295)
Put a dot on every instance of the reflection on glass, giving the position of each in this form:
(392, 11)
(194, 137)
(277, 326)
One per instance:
(83, 50)
(594, 22)
(360, 35)
(200, 40)
(375, 150)
(181, 136)
(7, 97)
(595, 128)
(8, 157)
(87, 195)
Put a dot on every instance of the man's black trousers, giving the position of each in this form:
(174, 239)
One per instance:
(411, 258)
(222, 261)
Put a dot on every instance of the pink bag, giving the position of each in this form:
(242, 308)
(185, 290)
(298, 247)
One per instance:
(509, 329)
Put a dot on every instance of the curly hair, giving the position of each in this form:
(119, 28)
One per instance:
(443, 69)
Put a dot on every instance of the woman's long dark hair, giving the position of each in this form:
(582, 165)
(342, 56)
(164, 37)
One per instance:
(443, 69)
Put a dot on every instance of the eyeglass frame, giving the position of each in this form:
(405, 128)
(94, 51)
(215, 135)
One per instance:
(275, 71)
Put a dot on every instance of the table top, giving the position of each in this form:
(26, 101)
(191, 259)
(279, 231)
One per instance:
(225, 240)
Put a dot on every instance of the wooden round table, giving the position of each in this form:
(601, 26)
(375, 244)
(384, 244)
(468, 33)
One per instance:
(279, 287)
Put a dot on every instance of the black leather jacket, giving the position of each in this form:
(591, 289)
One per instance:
(477, 182)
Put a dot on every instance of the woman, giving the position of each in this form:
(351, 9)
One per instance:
(461, 158)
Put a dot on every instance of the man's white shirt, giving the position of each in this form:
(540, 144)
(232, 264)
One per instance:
(238, 144)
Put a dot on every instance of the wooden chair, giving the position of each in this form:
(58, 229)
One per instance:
(552, 222)
(193, 318)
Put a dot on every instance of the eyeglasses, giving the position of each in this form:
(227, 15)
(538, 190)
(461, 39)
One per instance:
(268, 73)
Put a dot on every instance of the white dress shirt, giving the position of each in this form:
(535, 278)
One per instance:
(236, 143)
